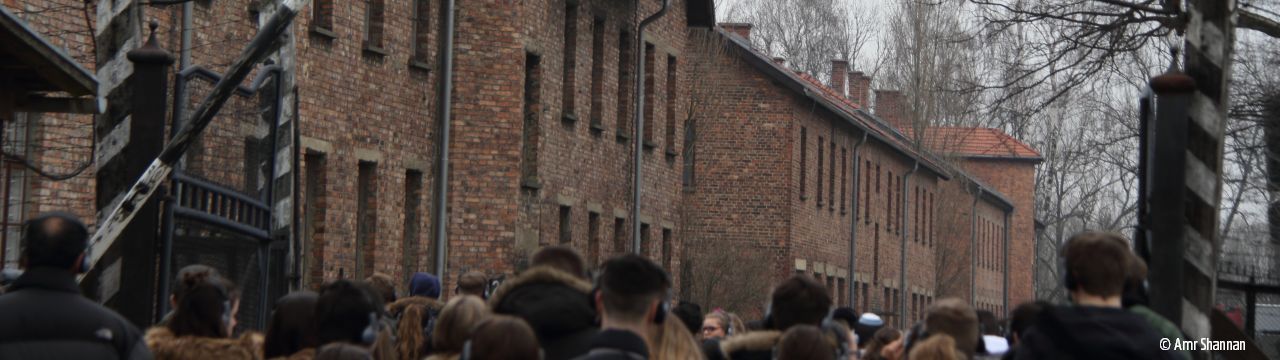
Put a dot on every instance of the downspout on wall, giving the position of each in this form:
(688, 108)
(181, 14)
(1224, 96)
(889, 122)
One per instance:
(446, 116)
(973, 247)
(906, 234)
(638, 156)
(853, 221)
(1005, 300)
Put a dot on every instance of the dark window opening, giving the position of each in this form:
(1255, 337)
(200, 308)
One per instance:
(532, 133)
(569, 83)
(670, 134)
(625, 58)
(597, 73)
(412, 250)
(366, 218)
(566, 225)
(374, 17)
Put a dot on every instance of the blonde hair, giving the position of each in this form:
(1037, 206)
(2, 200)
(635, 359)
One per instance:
(672, 340)
(458, 318)
(936, 347)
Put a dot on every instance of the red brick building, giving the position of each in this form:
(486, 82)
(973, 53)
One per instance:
(748, 167)
(789, 172)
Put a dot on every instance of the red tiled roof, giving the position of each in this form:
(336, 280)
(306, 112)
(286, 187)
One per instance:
(977, 142)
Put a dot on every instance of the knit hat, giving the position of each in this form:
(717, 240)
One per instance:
(425, 285)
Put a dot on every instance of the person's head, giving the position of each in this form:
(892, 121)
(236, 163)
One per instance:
(345, 312)
(207, 308)
(1135, 284)
(987, 323)
(955, 318)
(936, 347)
(383, 286)
(502, 337)
(806, 342)
(343, 351)
(631, 289)
(561, 258)
(472, 283)
(799, 300)
(716, 325)
(1096, 267)
(54, 240)
(1023, 317)
(179, 286)
(456, 321)
(845, 315)
(866, 327)
(292, 326)
(880, 339)
(424, 285)
(690, 315)
(673, 340)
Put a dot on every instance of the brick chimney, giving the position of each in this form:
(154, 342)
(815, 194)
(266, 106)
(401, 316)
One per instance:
(860, 89)
(839, 69)
(742, 29)
(891, 107)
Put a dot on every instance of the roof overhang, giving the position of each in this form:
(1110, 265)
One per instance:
(34, 68)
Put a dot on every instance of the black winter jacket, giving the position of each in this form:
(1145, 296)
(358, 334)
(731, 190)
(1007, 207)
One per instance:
(556, 305)
(1087, 332)
(616, 345)
(45, 317)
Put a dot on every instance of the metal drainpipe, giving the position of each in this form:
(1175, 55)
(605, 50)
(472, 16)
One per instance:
(638, 156)
(906, 234)
(446, 116)
(853, 222)
(167, 221)
(1005, 302)
(973, 248)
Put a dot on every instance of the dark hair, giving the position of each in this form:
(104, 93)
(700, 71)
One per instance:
(690, 314)
(799, 300)
(472, 283)
(1024, 317)
(54, 239)
(561, 258)
(987, 323)
(805, 342)
(383, 286)
(846, 315)
(180, 286)
(343, 351)
(954, 317)
(292, 327)
(203, 307)
(1097, 263)
(342, 312)
(630, 284)
(503, 337)
(879, 340)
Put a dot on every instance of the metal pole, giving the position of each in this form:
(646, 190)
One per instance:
(853, 223)
(1005, 302)
(906, 234)
(637, 176)
(446, 116)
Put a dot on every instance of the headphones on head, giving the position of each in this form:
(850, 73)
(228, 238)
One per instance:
(370, 333)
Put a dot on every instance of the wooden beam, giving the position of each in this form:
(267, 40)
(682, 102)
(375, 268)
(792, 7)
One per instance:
(79, 105)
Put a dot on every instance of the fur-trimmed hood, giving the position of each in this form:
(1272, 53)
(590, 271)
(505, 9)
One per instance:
(556, 305)
(164, 345)
(752, 342)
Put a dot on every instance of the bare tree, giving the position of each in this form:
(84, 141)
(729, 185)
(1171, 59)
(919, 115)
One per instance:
(809, 33)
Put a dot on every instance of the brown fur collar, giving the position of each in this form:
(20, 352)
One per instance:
(400, 304)
(166, 346)
(752, 341)
(539, 274)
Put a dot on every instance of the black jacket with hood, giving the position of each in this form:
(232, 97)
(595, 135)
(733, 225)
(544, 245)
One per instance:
(555, 304)
(44, 316)
(1088, 332)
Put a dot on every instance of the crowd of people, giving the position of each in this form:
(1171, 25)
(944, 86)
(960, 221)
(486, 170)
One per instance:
(554, 310)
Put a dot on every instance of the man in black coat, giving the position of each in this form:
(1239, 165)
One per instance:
(1095, 327)
(45, 317)
(631, 292)
(554, 297)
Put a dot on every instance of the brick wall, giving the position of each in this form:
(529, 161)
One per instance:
(1015, 179)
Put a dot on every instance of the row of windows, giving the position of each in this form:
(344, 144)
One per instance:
(620, 237)
(415, 257)
(826, 165)
(532, 105)
(374, 26)
(990, 244)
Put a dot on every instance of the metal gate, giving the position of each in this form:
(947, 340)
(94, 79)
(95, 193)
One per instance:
(217, 210)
